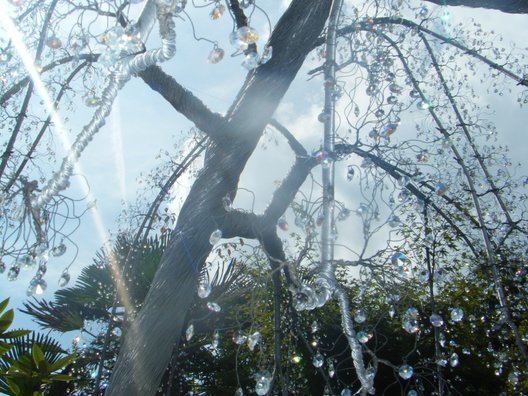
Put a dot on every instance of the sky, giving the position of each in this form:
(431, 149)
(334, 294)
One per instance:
(142, 125)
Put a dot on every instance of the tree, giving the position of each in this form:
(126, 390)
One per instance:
(375, 44)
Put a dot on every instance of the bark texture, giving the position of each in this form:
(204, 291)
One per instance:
(157, 329)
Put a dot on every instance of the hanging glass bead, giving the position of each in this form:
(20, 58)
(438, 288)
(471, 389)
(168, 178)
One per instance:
(453, 360)
(513, 378)
(13, 272)
(331, 369)
(441, 189)
(215, 237)
(414, 94)
(204, 290)
(216, 55)
(53, 42)
(250, 61)
(412, 392)
(2, 267)
(362, 336)
(253, 340)
(405, 371)
(343, 214)
(263, 384)
(216, 339)
(393, 221)
(350, 172)
(247, 35)
(267, 53)
(239, 392)
(217, 11)
(436, 320)
(314, 327)
(239, 337)
(392, 311)
(423, 105)
(27, 262)
(59, 250)
(456, 314)
(423, 156)
(36, 286)
(318, 360)
(395, 88)
(282, 223)
(235, 41)
(304, 298)
(189, 333)
(296, 359)
(178, 6)
(346, 392)
(388, 130)
(392, 99)
(360, 316)
(246, 3)
(64, 278)
(212, 306)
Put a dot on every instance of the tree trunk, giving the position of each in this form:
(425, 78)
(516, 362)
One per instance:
(509, 6)
(157, 329)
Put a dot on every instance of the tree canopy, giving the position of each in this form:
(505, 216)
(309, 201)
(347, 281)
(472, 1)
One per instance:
(429, 205)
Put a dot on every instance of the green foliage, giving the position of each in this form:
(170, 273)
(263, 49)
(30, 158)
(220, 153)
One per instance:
(28, 361)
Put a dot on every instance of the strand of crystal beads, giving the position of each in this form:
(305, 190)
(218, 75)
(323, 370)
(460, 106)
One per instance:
(117, 80)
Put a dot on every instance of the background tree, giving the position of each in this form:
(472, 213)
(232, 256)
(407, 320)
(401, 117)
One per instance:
(464, 191)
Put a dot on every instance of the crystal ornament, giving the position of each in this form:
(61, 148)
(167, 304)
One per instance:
(282, 223)
(304, 298)
(436, 320)
(239, 392)
(217, 11)
(456, 314)
(392, 99)
(363, 336)
(405, 371)
(53, 42)
(178, 5)
(423, 156)
(215, 237)
(204, 290)
(513, 378)
(350, 172)
(395, 88)
(189, 333)
(389, 130)
(267, 53)
(441, 189)
(360, 316)
(246, 3)
(346, 392)
(401, 262)
(2, 267)
(250, 61)
(414, 94)
(296, 359)
(453, 360)
(247, 35)
(13, 272)
(59, 250)
(315, 327)
(253, 340)
(423, 105)
(92, 101)
(27, 262)
(239, 337)
(392, 311)
(216, 339)
(235, 41)
(318, 360)
(263, 384)
(36, 286)
(393, 221)
(216, 55)
(410, 321)
(331, 369)
(212, 306)
(412, 392)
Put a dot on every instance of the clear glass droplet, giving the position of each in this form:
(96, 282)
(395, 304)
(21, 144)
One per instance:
(318, 360)
(64, 278)
(453, 360)
(436, 320)
(405, 371)
(59, 250)
(253, 340)
(189, 333)
(239, 337)
(204, 290)
(456, 314)
(263, 384)
(360, 316)
(213, 306)
(215, 237)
